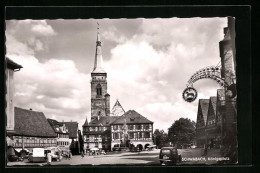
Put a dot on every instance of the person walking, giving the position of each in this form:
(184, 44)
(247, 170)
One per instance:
(49, 158)
(70, 155)
(206, 150)
(82, 154)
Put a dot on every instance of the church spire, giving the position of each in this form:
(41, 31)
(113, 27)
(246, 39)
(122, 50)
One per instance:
(98, 64)
(86, 122)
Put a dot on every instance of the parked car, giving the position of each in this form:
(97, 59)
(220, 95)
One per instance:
(169, 155)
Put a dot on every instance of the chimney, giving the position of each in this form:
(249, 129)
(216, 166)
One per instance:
(30, 109)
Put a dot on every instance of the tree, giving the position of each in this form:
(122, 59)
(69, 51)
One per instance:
(160, 138)
(182, 132)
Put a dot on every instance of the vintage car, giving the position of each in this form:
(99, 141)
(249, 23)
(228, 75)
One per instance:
(169, 155)
(37, 155)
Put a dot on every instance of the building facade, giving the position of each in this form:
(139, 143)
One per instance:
(220, 129)
(212, 129)
(11, 67)
(32, 130)
(73, 136)
(99, 132)
(139, 130)
(202, 115)
(62, 133)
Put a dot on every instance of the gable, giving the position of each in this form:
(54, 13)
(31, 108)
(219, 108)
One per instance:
(117, 109)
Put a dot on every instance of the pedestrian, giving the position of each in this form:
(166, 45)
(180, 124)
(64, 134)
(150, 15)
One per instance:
(82, 154)
(206, 150)
(49, 158)
(70, 155)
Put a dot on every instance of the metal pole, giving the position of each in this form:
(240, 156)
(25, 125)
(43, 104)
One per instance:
(22, 143)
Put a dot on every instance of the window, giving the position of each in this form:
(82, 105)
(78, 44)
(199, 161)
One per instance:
(140, 135)
(138, 127)
(147, 135)
(146, 127)
(116, 135)
(99, 90)
(131, 127)
(115, 127)
(131, 135)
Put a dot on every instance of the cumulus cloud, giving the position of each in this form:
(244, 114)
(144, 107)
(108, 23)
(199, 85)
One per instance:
(150, 70)
(54, 87)
(148, 63)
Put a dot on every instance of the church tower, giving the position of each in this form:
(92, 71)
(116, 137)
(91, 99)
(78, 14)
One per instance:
(100, 99)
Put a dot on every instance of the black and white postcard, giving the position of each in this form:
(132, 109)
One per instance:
(126, 91)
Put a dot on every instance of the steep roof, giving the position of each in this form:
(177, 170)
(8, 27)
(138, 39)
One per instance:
(98, 64)
(53, 122)
(86, 122)
(56, 125)
(12, 65)
(204, 105)
(72, 128)
(117, 109)
(213, 102)
(132, 117)
(103, 121)
(32, 123)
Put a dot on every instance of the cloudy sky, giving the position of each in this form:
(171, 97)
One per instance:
(148, 62)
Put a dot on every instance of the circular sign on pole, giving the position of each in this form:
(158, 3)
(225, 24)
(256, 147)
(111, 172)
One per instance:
(189, 94)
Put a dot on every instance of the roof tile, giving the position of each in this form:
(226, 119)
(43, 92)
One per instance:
(32, 123)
